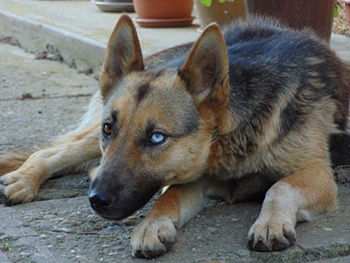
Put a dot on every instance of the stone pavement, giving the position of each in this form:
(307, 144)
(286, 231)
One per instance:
(78, 32)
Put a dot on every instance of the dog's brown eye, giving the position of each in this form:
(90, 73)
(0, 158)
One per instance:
(107, 129)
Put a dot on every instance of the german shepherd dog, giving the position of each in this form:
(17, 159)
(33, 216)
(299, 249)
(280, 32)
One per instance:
(247, 112)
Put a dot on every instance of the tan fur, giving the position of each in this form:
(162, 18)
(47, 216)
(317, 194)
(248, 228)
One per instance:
(14, 160)
(66, 156)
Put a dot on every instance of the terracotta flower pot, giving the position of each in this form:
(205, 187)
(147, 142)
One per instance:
(161, 13)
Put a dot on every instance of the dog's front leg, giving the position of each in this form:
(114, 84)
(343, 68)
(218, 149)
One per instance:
(176, 206)
(71, 151)
(299, 197)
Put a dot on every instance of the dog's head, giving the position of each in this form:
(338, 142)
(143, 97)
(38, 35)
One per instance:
(157, 125)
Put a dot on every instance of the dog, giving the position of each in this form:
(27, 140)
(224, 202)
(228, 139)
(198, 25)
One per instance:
(249, 112)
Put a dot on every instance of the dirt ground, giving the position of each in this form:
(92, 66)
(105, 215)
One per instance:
(39, 99)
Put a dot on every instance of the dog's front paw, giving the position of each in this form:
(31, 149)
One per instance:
(18, 188)
(153, 237)
(271, 236)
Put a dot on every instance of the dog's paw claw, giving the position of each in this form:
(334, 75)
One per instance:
(9, 202)
(271, 236)
(148, 253)
(153, 238)
(278, 245)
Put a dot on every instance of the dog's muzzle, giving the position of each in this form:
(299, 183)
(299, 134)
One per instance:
(116, 199)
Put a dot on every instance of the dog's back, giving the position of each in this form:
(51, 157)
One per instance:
(280, 57)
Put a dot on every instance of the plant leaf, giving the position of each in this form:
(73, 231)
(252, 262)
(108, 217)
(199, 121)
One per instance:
(336, 11)
(206, 3)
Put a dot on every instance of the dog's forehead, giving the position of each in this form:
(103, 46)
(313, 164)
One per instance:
(161, 96)
(139, 89)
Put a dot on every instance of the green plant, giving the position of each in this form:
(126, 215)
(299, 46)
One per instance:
(5, 247)
(208, 2)
(336, 9)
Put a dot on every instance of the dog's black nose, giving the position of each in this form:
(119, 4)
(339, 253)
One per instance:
(99, 202)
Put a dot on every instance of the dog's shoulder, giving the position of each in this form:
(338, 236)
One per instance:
(267, 61)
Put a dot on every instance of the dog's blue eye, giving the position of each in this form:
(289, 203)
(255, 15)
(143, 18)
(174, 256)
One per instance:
(157, 138)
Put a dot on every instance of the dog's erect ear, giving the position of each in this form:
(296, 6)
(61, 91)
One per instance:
(122, 57)
(206, 67)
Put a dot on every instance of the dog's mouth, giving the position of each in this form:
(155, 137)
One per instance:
(115, 202)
